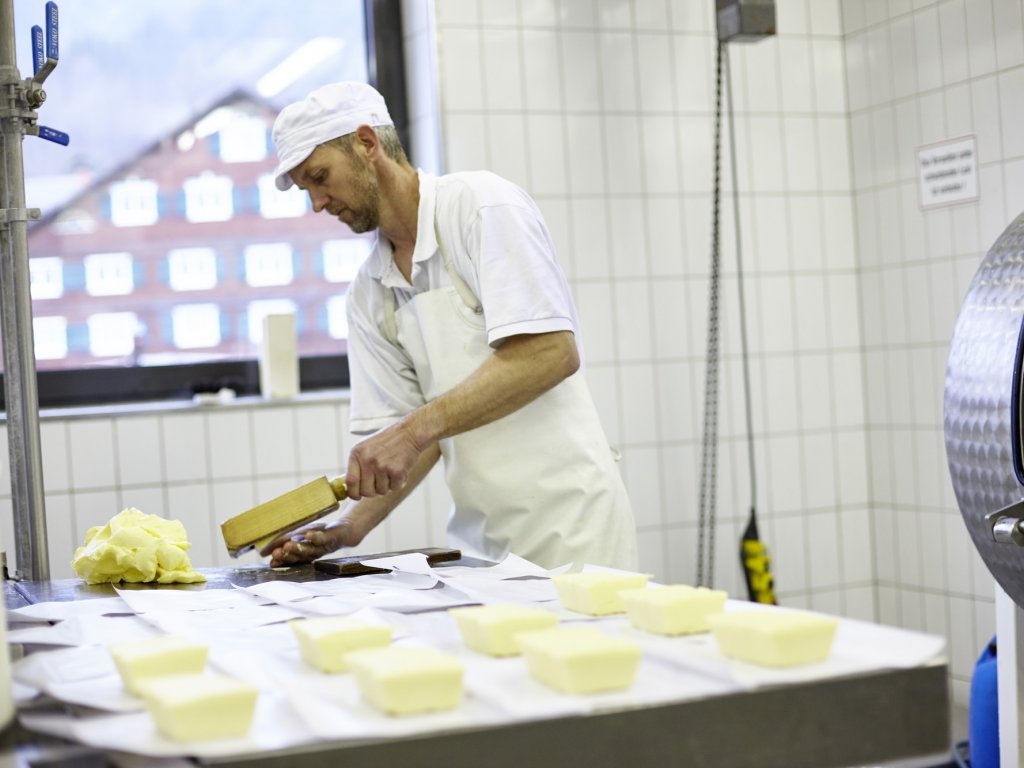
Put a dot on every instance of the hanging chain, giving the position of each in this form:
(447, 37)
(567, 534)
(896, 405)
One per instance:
(709, 440)
(744, 347)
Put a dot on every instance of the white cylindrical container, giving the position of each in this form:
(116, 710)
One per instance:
(279, 358)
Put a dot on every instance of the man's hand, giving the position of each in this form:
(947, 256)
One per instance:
(310, 542)
(314, 540)
(381, 463)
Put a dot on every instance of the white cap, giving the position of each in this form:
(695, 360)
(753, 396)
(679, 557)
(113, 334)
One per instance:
(328, 112)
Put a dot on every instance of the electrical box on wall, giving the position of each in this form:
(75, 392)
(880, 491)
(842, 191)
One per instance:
(744, 20)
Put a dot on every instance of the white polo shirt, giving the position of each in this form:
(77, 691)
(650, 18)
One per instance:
(498, 243)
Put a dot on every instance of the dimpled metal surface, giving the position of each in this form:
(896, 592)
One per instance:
(979, 388)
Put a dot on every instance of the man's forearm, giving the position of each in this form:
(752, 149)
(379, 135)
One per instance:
(369, 512)
(520, 370)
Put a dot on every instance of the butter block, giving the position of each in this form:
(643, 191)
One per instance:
(774, 638)
(596, 593)
(492, 629)
(324, 642)
(200, 707)
(403, 681)
(580, 659)
(677, 609)
(142, 660)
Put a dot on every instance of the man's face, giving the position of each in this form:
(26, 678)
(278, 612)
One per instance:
(342, 183)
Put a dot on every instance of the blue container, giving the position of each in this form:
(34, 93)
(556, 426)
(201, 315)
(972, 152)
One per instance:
(984, 711)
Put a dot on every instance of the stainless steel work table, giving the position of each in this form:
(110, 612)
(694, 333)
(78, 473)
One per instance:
(858, 720)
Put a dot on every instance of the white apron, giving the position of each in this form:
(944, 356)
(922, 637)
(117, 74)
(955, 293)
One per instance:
(541, 482)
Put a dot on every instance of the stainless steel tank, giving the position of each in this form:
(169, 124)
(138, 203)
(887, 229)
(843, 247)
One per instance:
(982, 410)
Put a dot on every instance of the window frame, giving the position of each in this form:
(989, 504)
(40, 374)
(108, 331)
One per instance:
(104, 386)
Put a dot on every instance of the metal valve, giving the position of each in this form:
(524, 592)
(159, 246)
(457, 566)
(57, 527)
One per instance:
(1006, 524)
(45, 54)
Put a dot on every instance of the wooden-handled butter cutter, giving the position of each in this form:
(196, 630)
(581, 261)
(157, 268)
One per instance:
(262, 524)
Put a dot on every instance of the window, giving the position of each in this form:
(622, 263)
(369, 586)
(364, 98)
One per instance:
(268, 264)
(133, 203)
(196, 325)
(112, 333)
(51, 337)
(109, 274)
(342, 258)
(337, 320)
(275, 204)
(260, 309)
(192, 269)
(185, 167)
(46, 277)
(243, 140)
(209, 197)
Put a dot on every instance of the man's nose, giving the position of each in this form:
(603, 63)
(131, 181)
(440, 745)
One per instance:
(319, 202)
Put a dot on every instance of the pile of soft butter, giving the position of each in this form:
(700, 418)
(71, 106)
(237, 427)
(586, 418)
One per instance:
(136, 547)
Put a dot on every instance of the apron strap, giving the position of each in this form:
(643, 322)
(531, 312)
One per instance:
(470, 299)
(465, 292)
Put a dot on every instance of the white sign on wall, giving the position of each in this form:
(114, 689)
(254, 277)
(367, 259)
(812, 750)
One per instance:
(947, 172)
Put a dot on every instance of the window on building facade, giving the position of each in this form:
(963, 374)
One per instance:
(268, 264)
(192, 269)
(46, 277)
(196, 325)
(109, 274)
(209, 197)
(113, 334)
(275, 204)
(51, 337)
(342, 258)
(134, 203)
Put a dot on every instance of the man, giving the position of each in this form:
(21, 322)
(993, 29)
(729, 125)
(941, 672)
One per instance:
(462, 344)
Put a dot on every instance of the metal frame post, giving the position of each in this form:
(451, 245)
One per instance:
(31, 551)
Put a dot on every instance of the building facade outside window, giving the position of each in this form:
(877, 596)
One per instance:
(165, 204)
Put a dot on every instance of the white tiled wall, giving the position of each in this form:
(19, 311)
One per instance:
(919, 72)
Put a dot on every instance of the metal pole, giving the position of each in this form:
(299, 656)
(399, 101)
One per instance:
(20, 391)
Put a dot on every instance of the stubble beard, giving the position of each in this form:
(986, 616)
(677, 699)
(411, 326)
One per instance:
(366, 212)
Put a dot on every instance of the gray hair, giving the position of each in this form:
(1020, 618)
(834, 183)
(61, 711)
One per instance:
(388, 139)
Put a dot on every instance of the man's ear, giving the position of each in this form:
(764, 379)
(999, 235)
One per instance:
(370, 141)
